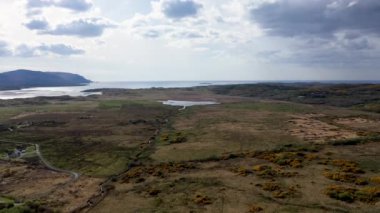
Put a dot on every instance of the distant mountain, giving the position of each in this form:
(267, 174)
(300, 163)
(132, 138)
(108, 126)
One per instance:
(26, 78)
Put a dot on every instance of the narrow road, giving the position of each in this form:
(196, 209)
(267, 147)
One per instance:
(74, 175)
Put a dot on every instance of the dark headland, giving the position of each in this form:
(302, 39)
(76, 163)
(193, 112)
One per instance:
(19, 79)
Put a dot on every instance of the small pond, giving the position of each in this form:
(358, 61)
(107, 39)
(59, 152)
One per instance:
(185, 104)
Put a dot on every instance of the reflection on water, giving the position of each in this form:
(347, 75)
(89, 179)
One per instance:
(185, 104)
(44, 92)
(78, 90)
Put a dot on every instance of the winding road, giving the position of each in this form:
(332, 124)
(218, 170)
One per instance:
(74, 175)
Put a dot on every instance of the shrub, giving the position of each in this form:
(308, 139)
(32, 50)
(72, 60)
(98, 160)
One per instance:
(347, 166)
(259, 168)
(243, 171)
(368, 194)
(375, 179)
(270, 186)
(345, 177)
(292, 159)
(277, 190)
(255, 208)
(341, 193)
(348, 194)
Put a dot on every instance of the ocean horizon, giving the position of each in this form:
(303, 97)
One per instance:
(77, 91)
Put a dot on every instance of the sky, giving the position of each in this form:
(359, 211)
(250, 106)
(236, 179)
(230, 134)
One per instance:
(168, 40)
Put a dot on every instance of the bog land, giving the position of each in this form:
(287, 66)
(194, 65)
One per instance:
(262, 148)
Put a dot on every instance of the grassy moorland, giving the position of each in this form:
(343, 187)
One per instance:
(359, 96)
(264, 148)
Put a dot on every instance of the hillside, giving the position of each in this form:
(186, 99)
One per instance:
(26, 78)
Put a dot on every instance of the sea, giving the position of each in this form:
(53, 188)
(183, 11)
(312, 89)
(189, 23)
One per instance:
(77, 91)
(81, 90)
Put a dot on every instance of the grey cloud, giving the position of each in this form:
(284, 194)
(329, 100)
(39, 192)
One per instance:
(4, 49)
(334, 53)
(188, 35)
(333, 58)
(81, 28)
(178, 9)
(61, 49)
(317, 17)
(75, 5)
(169, 32)
(342, 54)
(358, 44)
(350, 43)
(26, 51)
(38, 3)
(267, 54)
(351, 35)
(37, 25)
(315, 43)
(32, 12)
(323, 33)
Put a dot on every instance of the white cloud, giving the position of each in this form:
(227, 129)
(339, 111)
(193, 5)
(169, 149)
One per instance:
(203, 29)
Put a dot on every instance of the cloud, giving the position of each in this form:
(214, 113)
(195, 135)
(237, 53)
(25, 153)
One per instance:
(26, 51)
(333, 58)
(91, 27)
(151, 34)
(321, 18)
(61, 49)
(321, 33)
(77, 5)
(37, 25)
(204, 30)
(351, 35)
(356, 44)
(188, 35)
(177, 9)
(4, 49)
(38, 3)
(267, 54)
(74, 5)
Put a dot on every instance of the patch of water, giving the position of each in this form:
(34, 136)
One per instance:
(185, 104)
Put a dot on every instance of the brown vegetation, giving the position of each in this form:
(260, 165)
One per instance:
(255, 208)
(309, 128)
(348, 194)
(277, 190)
